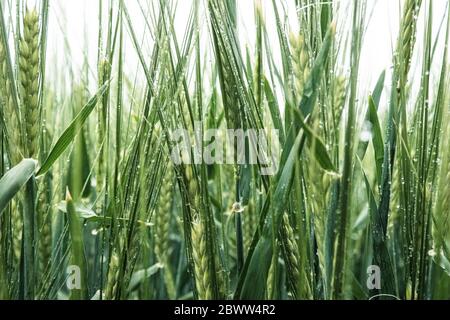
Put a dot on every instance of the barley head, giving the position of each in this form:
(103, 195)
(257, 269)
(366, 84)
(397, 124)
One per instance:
(300, 58)
(113, 275)
(12, 120)
(162, 218)
(201, 262)
(292, 248)
(193, 190)
(29, 78)
(338, 99)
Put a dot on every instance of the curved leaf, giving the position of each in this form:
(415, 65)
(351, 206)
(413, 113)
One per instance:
(14, 180)
(72, 130)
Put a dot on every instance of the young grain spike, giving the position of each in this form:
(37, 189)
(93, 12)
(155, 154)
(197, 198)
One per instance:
(162, 224)
(250, 223)
(408, 27)
(338, 99)
(199, 248)
(44, 224)
(12, 120)
(162, 217)
(113, 274)
(292, 252)
(270, 279)
(29, 78)
(193, 191)
(300, 60)
(201, 263)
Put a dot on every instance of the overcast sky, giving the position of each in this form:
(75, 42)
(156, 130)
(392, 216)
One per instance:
(73, 22)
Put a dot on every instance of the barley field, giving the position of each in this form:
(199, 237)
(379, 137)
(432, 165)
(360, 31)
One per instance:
(224, 149)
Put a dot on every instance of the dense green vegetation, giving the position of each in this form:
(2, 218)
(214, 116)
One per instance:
(103, 212)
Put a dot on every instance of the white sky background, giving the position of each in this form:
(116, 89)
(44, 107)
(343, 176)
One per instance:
(74, 23)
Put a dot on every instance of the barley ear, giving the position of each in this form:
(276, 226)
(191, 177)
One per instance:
(113, 275)
(29, 78)
(201, 262)
(162, 225)
(11, 116)
(300, 59)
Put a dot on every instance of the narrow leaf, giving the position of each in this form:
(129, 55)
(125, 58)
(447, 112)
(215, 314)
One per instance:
(14, 180)
(72, 130)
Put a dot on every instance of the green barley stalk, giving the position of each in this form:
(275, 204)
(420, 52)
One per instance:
(223, 19)
(103, 76)
(345, 197)
(441, 215)
(29, 93)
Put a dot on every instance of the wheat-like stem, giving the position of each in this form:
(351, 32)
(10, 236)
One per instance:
(103, 72)
(441, 215)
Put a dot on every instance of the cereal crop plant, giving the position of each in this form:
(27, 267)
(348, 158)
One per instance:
(223, 149)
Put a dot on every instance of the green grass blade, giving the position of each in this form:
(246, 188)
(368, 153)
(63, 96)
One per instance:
(79, 290)
(14, 179)
(71, 131)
